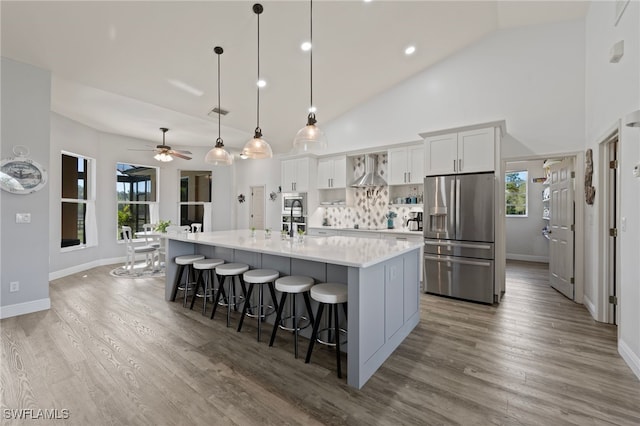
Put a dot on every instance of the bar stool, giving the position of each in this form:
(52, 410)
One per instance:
(184, 262)
(259, 277)
(330, 294)
(230, 270)
(205, 281)
(293, 285)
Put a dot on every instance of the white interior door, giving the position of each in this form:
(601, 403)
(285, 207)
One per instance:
(256, 214)
(561, 248)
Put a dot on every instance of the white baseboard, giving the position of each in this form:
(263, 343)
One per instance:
(83, 267)
(24, 308)
(527, 258)
(632, 360)
(588, 303)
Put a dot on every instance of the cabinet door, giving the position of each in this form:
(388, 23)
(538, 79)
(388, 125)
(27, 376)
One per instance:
(397, 166)
(339, 172)
(441, 154)
(288, 175)
(302, 175)
(476, 152)
(415, 161)
(325, 173)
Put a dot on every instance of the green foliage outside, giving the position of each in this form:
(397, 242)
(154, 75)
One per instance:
(516, 193)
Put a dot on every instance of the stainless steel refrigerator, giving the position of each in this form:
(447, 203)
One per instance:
(459, 235)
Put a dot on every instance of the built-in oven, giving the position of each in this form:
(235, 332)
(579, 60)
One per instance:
(295, 201)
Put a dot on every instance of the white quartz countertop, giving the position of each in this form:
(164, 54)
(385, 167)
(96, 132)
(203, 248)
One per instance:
(338, 250)
(401, 231)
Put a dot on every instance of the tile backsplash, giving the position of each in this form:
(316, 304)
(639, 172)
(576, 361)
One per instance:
(370, 205)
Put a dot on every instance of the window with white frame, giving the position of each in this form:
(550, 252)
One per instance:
(516, 193)
(78, 216)
(195, 197)
(136, 189)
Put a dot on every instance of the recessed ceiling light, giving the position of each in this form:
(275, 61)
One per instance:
(306, 46)
(261, 83)
(367, 1)
(410, 50)
(312, 109)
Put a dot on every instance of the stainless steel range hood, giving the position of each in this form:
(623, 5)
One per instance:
(370, 176)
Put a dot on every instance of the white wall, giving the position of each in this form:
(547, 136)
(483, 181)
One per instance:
(25, 121)
(107, 150)
(531, 77)
(524, 237)
(612, 91)
(257, 173)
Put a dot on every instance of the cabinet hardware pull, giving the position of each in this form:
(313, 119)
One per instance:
(454, 166)
(460, 165)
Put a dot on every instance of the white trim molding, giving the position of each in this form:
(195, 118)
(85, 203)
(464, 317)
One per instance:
(84, 267)
(24, 308)
(629, 357)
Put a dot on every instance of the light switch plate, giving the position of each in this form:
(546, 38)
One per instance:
(23, 217)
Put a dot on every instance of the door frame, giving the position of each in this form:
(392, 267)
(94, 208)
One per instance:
(603, 309)
(578, 250)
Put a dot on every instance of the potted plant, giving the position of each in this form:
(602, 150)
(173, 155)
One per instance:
(390, 216)
(253, 232)
(267, 233)
(162, 226)
(300, 235)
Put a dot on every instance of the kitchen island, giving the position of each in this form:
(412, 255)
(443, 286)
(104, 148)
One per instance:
(382, 278)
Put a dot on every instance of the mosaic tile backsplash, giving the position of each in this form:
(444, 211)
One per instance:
(370, 206)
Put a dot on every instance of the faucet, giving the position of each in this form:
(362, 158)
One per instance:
(293, 203)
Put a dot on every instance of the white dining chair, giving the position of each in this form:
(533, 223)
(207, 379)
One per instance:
(133, 249)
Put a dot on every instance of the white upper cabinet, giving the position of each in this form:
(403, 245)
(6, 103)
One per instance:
(332, 172)
(405, 165)
(464, 152)
(295, 175)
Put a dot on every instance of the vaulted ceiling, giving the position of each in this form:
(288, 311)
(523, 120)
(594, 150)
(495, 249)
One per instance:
(131, 67)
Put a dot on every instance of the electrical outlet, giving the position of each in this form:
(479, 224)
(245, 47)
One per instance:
(23, 217)
(14, 286)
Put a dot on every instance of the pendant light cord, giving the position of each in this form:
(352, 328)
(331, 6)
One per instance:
(258, 97)
(219, 107)
(311, 55)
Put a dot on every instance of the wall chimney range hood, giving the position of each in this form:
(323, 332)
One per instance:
(370, 176)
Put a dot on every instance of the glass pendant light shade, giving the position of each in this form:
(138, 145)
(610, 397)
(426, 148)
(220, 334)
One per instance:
(257, 148)
(218, 156)
(310, 138)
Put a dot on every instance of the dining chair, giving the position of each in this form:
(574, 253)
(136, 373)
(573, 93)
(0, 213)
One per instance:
(134, 249)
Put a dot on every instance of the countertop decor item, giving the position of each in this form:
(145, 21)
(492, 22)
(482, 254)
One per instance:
(218, 156)
(310, 137)
(21, 175)
(257, 147)
(162, 225)
(390, 216)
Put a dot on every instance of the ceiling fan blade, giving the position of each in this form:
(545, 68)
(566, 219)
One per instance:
(136, 149)
(177, 154)
(181, 151)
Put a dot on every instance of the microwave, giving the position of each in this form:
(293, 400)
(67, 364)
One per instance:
(297, 201)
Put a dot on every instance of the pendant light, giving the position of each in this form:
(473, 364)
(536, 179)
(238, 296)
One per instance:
(218, 156)
(257, 147)
(310, 137)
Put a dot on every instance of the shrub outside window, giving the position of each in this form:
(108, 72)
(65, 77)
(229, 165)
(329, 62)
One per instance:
(516, 193)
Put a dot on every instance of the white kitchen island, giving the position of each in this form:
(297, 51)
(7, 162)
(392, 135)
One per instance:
(382, 277)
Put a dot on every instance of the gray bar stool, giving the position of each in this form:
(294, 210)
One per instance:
(184, 262)
(205, 281)
(259, 277)
(230, 270)
(330, 294)
(293, 285)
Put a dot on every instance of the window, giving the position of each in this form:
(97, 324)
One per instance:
(136, 188)
(195, 197)
(77, 225)
(516, 193)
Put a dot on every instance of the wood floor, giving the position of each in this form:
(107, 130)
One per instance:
(113, 352)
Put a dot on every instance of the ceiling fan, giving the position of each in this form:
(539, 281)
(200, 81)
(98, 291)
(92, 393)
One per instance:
(164, 152)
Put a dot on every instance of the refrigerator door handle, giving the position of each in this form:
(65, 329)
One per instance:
(454, 166)
(457, 260)
(457, 208)
(463, 245)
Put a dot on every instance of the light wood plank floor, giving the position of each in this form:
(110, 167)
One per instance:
(113, 352)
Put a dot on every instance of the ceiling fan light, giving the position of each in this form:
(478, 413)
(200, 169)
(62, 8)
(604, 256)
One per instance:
(163, 156)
